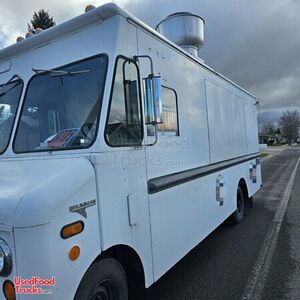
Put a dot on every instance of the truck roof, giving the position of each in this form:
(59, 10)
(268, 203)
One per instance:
(94, 16)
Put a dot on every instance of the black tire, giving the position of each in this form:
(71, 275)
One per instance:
(105, 279)
(238, 215)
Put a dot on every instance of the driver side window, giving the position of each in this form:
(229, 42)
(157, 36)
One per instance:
(124, 125)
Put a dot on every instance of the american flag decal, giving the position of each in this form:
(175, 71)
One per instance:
(60, 140)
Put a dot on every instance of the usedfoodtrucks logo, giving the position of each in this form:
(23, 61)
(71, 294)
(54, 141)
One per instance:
(81, 207)
(34, 286)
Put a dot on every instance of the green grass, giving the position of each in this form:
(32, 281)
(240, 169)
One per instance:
(262, 155)
(276, 145)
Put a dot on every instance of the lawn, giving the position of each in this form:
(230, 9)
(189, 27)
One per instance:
(262, 155)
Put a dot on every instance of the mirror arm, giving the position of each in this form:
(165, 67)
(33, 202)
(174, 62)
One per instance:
(137, 57)
(154, 123)
(155, 136)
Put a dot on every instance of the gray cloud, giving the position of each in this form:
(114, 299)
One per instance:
(15, 14)
(255, 43)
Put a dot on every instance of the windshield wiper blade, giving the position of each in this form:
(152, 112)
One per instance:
(15, 78)
(54, 73)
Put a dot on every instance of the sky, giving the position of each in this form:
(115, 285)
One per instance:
(255, 43)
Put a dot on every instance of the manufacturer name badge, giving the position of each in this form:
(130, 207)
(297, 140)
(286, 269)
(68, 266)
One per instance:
(81, 207)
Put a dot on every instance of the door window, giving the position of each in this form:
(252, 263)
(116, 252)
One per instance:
(124, 124)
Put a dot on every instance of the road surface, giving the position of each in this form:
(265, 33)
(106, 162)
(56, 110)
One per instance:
(257, 259)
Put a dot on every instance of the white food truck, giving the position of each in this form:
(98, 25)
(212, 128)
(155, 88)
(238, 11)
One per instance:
(120, 150)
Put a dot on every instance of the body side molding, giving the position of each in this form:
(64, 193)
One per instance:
(167, 181)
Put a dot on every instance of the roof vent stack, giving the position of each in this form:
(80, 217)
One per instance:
(184, 29)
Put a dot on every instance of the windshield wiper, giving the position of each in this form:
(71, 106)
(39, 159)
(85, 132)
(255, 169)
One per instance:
(15, 78)
(54, 73)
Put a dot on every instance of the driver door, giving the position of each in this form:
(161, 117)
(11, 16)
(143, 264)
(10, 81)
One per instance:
(121, 171)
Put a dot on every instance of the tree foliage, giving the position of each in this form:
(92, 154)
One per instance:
(41, 19)
(268, 129)
(289, 125)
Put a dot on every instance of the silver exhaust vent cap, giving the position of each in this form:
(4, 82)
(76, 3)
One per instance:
(184, 29)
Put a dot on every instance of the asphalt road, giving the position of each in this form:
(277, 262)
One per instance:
(257, 259)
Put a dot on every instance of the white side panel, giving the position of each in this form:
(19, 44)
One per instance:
(251, 126)
(184, 215)
(181, 216)
(226, 120)
(191, 148)
(176, 213)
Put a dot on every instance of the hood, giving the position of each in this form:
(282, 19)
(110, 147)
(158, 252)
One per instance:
(31, 189)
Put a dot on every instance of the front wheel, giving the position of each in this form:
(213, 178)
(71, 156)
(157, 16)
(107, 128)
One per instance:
(104, 280)
(238, 215)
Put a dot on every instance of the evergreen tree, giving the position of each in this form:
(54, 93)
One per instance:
(41, 19)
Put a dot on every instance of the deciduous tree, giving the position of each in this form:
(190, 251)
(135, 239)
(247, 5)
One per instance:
(289, 125)
(268, 129)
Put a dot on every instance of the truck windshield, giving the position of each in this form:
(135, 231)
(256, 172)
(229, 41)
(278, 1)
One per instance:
(61, 107)
(10, 93)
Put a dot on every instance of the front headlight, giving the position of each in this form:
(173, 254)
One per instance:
(5, 259)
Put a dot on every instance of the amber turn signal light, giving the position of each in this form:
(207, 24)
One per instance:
(9, 290)
(72, 229)
(74, 253)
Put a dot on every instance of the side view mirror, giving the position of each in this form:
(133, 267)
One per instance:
(153, 102)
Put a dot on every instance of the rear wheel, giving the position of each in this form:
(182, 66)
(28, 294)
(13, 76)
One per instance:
(104, 280)
(238, 215)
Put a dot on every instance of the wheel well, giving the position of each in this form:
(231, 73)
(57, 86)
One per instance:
(130, 261)
(244, 188)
